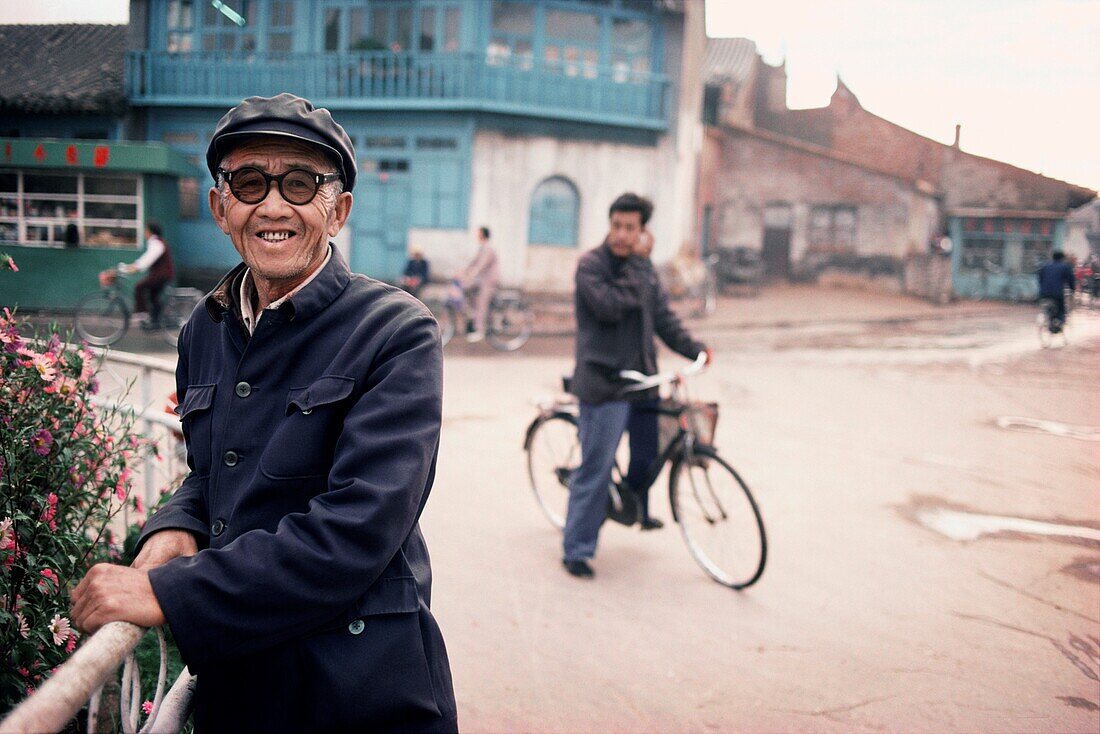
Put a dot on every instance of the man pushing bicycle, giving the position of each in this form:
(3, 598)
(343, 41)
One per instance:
(620, 305)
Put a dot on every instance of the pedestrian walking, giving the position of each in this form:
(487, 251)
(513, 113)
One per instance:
(620, 307)
(290, 565)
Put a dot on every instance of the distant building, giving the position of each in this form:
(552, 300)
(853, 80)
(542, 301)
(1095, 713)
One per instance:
(838, 188)
(64, 164)
(526, 116)
(1083, 231)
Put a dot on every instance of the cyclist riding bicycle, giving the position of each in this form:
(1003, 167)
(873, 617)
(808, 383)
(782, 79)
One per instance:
(483, 274)
(1054, 278)
(156, 262)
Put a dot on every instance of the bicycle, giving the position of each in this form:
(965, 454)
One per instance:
(508, 326)
(1049, 326)
(692, 281)
(718, 516)
(103, 317)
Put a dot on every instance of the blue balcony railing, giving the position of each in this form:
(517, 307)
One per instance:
(404, 81)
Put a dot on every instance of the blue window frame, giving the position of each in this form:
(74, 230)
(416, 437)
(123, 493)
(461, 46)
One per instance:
(555, 211)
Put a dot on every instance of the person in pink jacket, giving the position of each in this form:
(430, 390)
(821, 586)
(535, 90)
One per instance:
(482, 274)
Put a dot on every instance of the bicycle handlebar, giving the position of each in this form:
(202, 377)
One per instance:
(645, 382)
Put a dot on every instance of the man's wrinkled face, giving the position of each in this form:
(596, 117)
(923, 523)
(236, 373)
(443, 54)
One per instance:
(281, 242)
(626, 228)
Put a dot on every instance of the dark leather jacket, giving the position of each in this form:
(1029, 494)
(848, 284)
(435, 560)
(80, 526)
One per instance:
(620, 306)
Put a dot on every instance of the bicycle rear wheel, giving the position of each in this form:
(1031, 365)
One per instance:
(177, 309)
(718, 518)
(102, 318)
(553, 454)
(445, 317)
(510, 325)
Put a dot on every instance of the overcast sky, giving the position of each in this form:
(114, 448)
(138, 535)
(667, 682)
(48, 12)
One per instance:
(1021, 76)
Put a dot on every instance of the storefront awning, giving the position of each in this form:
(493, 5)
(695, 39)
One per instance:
(95, 155)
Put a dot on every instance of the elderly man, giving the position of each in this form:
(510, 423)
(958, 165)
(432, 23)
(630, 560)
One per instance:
(289, 565)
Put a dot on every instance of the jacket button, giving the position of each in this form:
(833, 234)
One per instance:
(243, 389)
(217, 528)
(356, 627)
(231, 458)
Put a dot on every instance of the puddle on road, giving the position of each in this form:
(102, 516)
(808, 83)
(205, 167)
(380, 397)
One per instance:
(962, 524)
(1064, 430)
(969, 526)
(1085, 569)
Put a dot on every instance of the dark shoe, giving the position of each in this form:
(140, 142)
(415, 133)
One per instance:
(651, 523)
(580, 569)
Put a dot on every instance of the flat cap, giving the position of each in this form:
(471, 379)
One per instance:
(283, 115)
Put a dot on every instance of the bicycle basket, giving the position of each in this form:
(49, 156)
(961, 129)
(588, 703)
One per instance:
(704, 420)
(703, 417)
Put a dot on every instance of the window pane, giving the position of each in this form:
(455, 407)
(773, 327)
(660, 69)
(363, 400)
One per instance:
(9, 207)
(101, 210)
(513, 18)
(189, 198)
(281, 42)
(380, 26)
(384, 142)
(630, 37)
(402, 40)
(427, 29)
(436, 144)
(9, 182)
(332, 30)
(41, 183)
(358, 40)
(46, 208)
(110, 236)
(179, 43)
(452, 26)
(181, 15)
(110, 186)
(9, 232)
(282, 14)
(567, 24)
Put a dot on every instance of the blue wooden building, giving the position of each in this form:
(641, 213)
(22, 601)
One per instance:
(526, 116)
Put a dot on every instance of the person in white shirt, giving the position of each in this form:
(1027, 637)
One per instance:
(156, 263)
(483, 273)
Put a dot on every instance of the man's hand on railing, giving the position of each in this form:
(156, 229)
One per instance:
(115, 594)
(163, 546)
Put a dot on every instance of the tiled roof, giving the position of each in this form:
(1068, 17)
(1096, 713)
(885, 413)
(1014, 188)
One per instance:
(59, 69)
(728, 59)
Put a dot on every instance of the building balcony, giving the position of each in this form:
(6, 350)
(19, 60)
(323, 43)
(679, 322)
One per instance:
(405, 81)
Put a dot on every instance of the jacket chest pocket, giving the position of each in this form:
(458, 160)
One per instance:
(194, 414)
(303, 444)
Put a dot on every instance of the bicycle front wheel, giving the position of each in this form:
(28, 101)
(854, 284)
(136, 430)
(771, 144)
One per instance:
(102, 318)
(553, 454)
(510, 326)
(718, 518)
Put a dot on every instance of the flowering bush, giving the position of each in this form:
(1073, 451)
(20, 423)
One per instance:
(64, 475)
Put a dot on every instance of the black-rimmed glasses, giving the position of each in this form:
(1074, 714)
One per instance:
(298, 186)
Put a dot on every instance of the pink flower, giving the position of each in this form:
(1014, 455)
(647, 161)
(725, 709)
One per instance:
(11, 264)
(71, 644)
(21, 622)
(41, 442)
(50, 511)
(60, 628)
(147, 707)
(49, 582)
(7, 539)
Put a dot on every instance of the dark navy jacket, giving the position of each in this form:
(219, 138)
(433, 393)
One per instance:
(620, 306)
(312, 448)
(1054, 278)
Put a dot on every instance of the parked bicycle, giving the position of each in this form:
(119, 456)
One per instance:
(692, 281)
(719, 519)
(103, 317)
(509, 324)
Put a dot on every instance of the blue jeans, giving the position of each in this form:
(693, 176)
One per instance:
(601, 428)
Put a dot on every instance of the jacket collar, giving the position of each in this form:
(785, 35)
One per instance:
(312, 299)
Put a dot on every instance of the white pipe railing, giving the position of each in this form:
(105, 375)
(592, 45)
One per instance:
(80, 680)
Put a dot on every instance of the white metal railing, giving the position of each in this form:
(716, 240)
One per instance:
(81, 678)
